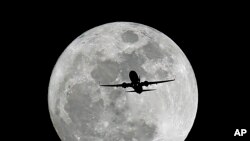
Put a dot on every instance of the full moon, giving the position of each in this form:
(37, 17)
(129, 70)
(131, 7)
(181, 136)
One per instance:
(82, 110)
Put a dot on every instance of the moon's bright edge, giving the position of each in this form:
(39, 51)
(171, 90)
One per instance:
(81, 110)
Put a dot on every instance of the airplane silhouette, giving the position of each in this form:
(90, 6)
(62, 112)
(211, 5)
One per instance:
(136, 84)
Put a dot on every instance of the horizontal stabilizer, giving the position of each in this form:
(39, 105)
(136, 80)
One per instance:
(149, 90)
(143, 90)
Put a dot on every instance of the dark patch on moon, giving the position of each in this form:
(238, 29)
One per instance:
(105, 71)
(162, 73)
(78, 105)
(129, 37)
(132, 61)
(153, 51)
(115, 94)
(99, 54)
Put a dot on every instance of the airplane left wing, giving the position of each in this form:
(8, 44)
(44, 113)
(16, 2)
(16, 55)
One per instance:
(146, 83)
(124, 85)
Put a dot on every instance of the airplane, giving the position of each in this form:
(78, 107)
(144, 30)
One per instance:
(136, 84)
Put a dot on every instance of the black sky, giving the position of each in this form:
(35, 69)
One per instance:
(215, 40)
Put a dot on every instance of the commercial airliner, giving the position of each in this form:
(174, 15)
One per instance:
(136, 84)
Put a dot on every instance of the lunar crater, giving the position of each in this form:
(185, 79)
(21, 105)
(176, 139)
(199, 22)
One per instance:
(130, 37)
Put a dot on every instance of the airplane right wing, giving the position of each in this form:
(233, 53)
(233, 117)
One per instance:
(146, 83)
(123, 85)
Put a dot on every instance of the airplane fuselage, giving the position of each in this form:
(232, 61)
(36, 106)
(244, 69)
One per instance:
(135, 81)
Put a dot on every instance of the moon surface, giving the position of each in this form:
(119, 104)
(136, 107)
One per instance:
(81, 110)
